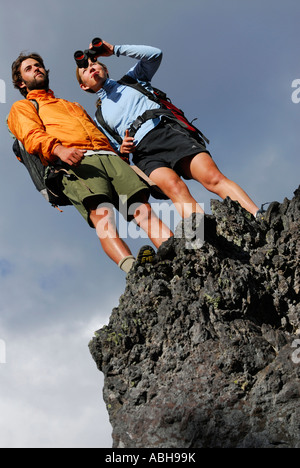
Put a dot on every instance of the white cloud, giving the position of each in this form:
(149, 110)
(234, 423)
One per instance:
(50, 393)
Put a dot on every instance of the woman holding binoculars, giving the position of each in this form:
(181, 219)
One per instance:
(164, 150)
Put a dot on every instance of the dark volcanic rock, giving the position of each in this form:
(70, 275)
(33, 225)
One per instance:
(204, 348)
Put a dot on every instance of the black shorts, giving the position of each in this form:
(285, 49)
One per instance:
(165, 146)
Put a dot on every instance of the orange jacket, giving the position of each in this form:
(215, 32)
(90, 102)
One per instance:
(58, 122)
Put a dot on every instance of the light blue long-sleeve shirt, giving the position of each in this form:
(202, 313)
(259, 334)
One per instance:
(121, 105)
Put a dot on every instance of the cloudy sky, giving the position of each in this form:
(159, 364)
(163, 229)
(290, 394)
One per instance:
(231, 63)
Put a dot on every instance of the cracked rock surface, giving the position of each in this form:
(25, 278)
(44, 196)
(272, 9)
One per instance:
(204, 347)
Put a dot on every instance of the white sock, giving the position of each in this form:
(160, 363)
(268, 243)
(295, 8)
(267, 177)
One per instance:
(126, 263)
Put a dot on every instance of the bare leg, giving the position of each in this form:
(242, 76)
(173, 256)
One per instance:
(203, 169)
(175, 188)
(103, 218)
(156, 230)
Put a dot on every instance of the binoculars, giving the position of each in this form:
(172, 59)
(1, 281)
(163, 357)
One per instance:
(82, 57)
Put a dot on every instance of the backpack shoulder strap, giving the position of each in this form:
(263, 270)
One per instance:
(107, 128)
(127, 80)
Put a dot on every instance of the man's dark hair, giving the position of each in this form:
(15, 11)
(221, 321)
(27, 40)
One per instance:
(16, 66)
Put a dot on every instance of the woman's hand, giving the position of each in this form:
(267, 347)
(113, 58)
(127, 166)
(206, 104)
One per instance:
(106, 51)
(127, 146)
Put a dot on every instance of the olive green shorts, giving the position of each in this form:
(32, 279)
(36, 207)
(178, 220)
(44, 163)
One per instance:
(104, 176)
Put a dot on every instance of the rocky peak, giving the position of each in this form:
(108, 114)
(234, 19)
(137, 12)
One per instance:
(204, 347)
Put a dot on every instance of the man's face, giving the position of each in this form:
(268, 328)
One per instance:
(93, 77)
(34, 76)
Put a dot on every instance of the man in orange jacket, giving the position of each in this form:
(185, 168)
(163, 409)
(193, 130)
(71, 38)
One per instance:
(62, 132)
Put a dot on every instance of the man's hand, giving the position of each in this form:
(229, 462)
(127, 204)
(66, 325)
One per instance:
(107, 49)
(127, 146)
(71, 156)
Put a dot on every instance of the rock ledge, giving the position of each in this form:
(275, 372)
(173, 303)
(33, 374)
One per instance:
(204, 348)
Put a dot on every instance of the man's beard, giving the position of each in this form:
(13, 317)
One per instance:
(36, 83)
